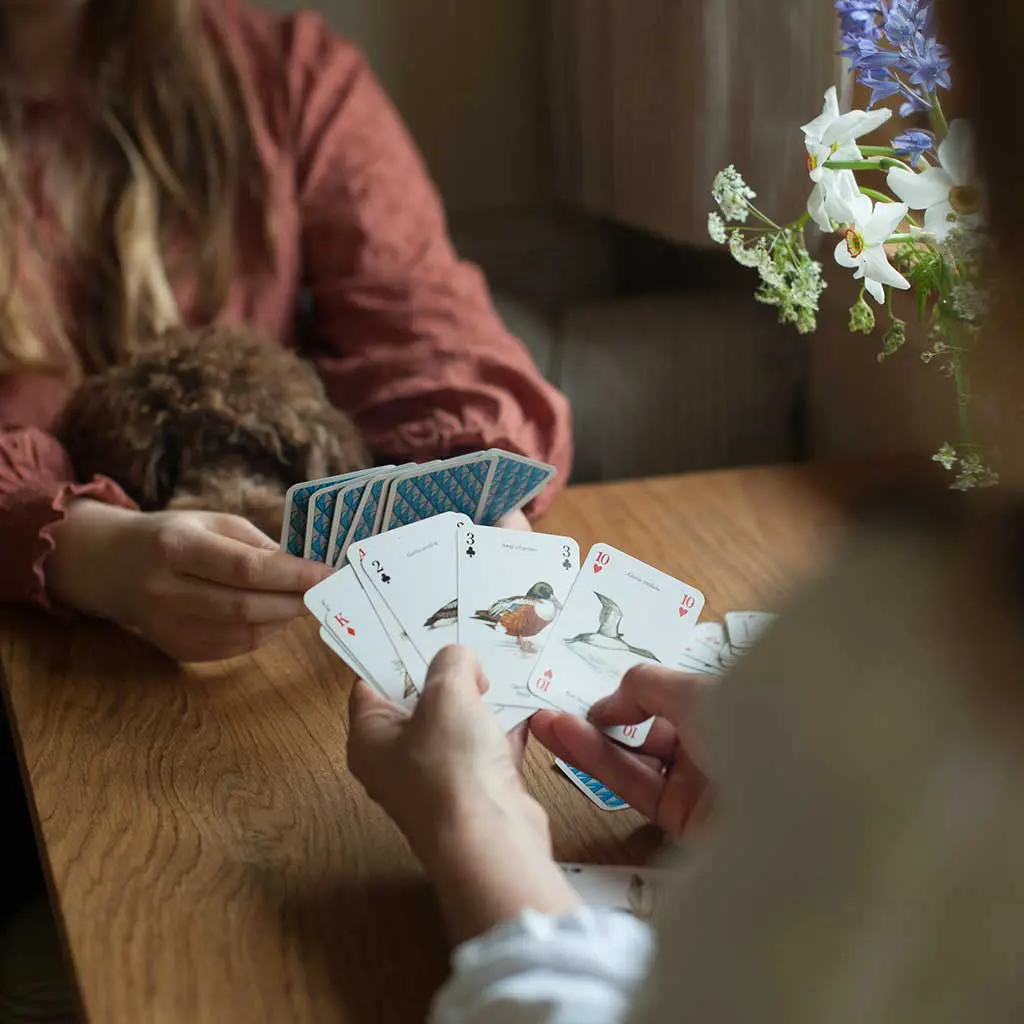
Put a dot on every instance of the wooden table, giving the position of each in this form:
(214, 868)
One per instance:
(210, 858)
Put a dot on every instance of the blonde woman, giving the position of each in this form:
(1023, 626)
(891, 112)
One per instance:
(188, 161)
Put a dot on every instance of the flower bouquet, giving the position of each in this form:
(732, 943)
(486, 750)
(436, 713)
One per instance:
(909, 215)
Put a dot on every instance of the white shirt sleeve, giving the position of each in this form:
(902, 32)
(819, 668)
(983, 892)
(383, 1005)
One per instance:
(579, 969)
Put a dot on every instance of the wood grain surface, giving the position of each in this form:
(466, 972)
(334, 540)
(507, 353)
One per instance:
(210, 858)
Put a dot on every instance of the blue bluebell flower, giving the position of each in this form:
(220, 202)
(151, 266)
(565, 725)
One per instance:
(913, 145)
(906, 18)
(881, 83)
(927, 62)
(865, 54)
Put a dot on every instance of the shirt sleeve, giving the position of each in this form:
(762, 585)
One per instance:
(36, 486)
(583, 968)
(411, 345)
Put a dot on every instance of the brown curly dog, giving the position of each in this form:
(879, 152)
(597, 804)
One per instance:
(216, 419)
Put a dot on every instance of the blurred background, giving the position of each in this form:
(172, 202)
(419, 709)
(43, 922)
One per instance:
(574, 143)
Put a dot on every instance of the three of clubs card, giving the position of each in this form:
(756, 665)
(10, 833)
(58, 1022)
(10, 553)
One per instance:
(511, 589)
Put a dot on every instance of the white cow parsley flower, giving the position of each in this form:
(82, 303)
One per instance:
(732, 194)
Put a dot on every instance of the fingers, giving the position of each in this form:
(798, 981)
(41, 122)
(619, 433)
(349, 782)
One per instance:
(646, 691)
(240, 529)
(213, 602)
(683, 790)
(635, 779)
(198, 551)
(373, 725)
(195, 640)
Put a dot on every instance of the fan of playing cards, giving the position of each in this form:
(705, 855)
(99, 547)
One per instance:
(549, 631)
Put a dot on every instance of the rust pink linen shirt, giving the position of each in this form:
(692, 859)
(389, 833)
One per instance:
(408, 341)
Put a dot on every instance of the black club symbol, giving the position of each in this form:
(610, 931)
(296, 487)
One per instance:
(470, 552)
(385, 578)
(567, 564)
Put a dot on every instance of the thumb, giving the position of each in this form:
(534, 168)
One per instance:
(647, 691)
(453, 679)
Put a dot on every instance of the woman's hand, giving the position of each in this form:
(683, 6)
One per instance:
(199, 585)
(449, 778)
(660, 779)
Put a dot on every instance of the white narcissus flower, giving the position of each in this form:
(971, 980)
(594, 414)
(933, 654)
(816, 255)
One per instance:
(833, 136)
(946, 193)
(831, 198)
(862, 249)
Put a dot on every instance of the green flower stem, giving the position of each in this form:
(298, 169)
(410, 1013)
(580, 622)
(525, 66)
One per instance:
(884, 164)
(880, 196)
(938, 117)
(896, 239)
(757, 213)
(878, 151)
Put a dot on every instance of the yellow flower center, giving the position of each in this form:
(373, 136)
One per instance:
(854, 242)
(812, 162)
(965, 199)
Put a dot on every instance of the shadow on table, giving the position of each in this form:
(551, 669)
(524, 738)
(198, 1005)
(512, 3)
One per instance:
(379, 944)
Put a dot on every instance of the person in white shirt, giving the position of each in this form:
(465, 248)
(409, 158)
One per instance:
(862, 861)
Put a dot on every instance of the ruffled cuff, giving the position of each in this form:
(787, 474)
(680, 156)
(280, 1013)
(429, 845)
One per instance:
(585, 966)
(29, 519)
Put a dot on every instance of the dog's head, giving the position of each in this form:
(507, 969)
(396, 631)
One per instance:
(218, 401)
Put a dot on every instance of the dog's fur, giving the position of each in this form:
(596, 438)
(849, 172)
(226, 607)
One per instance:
(216, 419)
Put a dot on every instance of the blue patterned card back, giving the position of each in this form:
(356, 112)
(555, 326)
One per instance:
(516, 481)
(454, 486)
(296, 509)
(597, 791)
(319, 520)
(348, 501)
(366, 519)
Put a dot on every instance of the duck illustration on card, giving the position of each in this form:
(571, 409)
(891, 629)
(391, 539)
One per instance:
(620, 613)
(511, 589)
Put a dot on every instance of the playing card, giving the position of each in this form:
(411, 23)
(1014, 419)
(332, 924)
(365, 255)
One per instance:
(620, 613)
(326, 507)
(413, 570)
(510, 717)
(296, 509)
(596, 792)
(343, 608)
(744, 629)
(411, 658)
(702, 651)
(516, 482)
(511, 588)
(349, 500)
(636, 891)
(455, 485)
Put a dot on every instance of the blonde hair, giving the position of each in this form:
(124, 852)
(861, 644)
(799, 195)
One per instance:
(164, 163)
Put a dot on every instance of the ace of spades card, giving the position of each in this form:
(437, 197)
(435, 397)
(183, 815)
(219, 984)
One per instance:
(620, 613)
(511, 588)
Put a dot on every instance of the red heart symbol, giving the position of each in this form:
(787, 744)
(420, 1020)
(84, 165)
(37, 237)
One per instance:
(351, 631)
(598, 568)
(683, 611)
(549, 674)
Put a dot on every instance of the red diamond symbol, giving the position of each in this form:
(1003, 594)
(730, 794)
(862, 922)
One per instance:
(351, 631)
